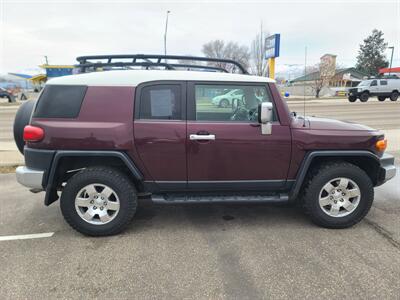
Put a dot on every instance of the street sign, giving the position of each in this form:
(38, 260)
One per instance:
(272, 45)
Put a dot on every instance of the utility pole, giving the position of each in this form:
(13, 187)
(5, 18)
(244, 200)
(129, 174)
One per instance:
(391, 59)
(165, 33)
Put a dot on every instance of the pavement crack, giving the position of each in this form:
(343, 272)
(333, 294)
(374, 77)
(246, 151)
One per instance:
(384, 233)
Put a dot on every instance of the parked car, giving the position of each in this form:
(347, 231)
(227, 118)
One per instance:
(228, 98)
(382, 88)
(99, 141)
(7, 94)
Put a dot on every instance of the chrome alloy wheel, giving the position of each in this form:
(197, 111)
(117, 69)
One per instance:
(97, 204)
(339, 197)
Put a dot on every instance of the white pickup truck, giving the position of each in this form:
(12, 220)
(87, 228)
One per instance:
(381, 87)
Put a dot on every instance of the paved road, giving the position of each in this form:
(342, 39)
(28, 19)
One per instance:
(200, 252)
(379, 115)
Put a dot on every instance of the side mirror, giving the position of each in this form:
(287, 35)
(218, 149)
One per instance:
(265, 115)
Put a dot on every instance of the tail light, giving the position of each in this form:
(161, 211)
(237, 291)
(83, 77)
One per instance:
(33, 133)
(381, 145)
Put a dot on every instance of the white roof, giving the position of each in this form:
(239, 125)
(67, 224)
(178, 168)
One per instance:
(135, 77)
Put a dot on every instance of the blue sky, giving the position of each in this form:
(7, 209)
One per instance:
(63, 30)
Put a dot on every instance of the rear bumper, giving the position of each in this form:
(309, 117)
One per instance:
(387, 168)
(37, 165)
(30, 177)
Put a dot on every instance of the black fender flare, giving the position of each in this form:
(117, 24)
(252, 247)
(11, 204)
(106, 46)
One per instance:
(310, 156)
(51, 187)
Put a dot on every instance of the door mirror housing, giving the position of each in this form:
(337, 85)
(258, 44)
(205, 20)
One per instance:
(265, 115)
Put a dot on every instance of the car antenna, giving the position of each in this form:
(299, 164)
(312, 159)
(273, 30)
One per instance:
(304, 86)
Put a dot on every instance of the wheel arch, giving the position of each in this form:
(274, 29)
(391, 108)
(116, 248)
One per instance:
(365, 160)
(67, 163)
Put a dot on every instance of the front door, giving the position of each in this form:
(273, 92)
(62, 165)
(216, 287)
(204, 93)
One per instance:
(226, 150)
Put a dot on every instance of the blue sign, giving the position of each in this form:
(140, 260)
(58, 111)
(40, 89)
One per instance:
(272, 45)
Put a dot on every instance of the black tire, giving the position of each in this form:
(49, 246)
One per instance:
(22, 119)
(394, 96)
(381, 98)
(322, 175)
(352, 98)
(114, 179)
(364, 97)
(224, 103)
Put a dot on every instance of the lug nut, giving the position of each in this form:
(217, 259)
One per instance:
(343, 194)
(94, 207)
(105, 203)
(95, 197)
(331, 197)
(335, 201)
(101, 207)
(341, 200)
(102, 198)
(91, 201)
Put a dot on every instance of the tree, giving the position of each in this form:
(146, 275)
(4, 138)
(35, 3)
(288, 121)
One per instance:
(318, 81)
(231, 50)
(259, 64)
(371, 54)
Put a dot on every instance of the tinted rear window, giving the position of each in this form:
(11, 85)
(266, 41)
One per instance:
(60, 101)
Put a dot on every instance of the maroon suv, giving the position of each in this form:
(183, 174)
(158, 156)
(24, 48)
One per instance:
(103, 139)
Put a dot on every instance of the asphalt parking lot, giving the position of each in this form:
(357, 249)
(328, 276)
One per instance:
(204, 251)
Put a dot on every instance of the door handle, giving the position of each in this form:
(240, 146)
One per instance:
(202, 137)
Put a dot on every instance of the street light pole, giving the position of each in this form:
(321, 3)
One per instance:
(391, 59)
(165, 33)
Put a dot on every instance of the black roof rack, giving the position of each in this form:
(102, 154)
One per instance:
(91, 62)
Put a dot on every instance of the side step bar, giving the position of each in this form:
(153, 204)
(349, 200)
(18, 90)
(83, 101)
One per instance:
(190, 199)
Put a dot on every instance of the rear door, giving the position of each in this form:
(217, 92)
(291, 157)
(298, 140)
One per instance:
(160, 133)
(226, 150)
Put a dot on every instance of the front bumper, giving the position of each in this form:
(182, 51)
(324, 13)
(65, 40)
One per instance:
(353, 92)
(387, 168)
(30, 177)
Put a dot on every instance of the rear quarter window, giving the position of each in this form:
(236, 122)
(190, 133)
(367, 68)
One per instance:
(60, 101)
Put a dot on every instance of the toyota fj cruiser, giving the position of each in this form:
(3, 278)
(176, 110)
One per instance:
(100, 140)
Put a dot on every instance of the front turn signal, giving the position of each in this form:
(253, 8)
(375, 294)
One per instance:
(381, 145)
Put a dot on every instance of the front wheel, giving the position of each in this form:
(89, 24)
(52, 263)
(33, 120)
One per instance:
(98, 201)
(338, 195)
(352, 98)
(224, 103)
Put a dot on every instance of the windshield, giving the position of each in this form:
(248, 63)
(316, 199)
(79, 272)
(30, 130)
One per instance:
(364, 83)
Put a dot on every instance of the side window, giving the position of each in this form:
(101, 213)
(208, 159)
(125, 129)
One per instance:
(229, 102)
(374, 83)
(383, 82)
(161, 102)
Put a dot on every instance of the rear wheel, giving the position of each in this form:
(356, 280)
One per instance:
(394, 96)
(338, 195)
(364, 97)
(352, 98)
(99, 201)
(381, 98)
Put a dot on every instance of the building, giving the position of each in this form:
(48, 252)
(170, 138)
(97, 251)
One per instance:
(345, 77)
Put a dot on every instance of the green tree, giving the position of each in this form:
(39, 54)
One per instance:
(371, 55)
